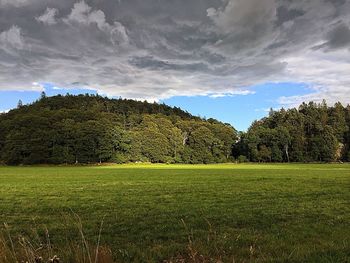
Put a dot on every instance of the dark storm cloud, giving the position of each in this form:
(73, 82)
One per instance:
(283, 14)
(339, 37)
(154, 64)
(152, 49)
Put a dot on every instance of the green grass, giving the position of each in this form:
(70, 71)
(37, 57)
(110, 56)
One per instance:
(151, 213)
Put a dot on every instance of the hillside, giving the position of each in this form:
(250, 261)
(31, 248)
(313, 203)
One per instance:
(93, 129)
(90, 128)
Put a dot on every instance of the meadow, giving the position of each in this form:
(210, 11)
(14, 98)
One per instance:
(181, 213)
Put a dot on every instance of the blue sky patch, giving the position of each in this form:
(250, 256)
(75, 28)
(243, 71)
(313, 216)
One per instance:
(238, 110)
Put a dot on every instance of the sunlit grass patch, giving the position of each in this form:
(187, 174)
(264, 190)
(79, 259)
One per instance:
(155, 213)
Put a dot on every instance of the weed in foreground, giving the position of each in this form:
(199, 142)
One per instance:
(23, 249)
(40, 249)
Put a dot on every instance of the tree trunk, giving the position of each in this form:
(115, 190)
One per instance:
(184, 138)
(287, 153)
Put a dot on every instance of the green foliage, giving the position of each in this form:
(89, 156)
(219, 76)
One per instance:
(312, 133)
(242, 159)
(92, 129)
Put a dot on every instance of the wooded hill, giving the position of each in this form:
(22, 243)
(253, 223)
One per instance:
(90, 129)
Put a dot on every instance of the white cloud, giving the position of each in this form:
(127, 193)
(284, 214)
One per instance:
(267, 109)
(48, 17)
(82, 13)
(119, 35)
(154, 49)
(243, 16)
(37, 86)
(326, 73)
(12, 38)
(238, 92)
(15, 3)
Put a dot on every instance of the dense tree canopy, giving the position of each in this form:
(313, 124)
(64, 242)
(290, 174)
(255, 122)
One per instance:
(90, 129)
(93, 129)
(311, 133)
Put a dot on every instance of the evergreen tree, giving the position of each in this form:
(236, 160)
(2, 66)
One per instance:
(19, 104)
(92, 129)
(312, 133)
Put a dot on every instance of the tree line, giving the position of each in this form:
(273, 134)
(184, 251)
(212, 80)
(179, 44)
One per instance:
(93, 129)
(90, 129)
(312, 133)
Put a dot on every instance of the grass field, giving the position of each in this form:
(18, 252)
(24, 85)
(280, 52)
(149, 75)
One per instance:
(203, 213)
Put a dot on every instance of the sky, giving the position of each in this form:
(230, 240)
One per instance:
(227, 59)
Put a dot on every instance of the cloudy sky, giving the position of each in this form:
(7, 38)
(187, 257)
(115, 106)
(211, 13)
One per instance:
(183, 52)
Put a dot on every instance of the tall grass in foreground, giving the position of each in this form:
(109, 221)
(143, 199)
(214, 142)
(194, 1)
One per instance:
(39, 249)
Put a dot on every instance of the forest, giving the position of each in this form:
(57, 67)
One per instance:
(94, 129)
(312, 133)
